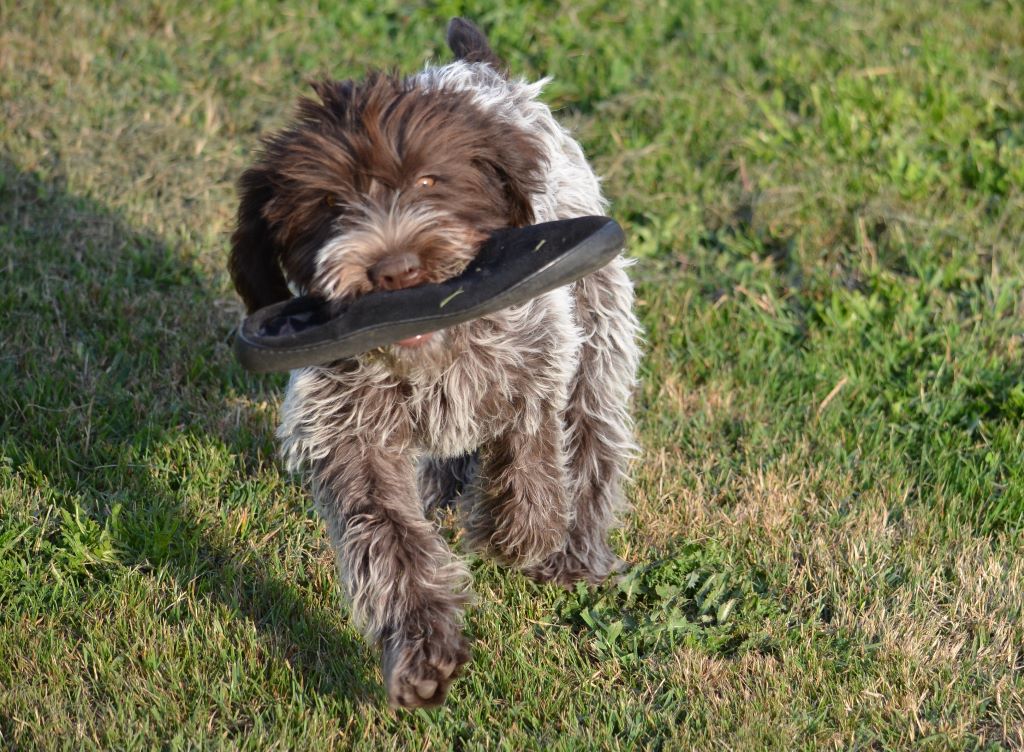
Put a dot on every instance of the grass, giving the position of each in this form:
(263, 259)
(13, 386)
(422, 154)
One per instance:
(827, 206)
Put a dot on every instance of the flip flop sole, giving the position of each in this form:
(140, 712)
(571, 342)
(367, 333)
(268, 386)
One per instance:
(512, 267)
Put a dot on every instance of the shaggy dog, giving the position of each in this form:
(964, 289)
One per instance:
(521, 416)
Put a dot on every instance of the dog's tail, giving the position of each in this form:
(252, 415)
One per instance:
(470, 44)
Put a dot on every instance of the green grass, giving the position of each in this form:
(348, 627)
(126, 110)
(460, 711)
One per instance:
(827, 206)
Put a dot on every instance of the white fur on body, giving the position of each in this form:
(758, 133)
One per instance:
(549, 380)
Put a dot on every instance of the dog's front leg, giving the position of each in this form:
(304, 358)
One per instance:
(520, 510)
(405, 586)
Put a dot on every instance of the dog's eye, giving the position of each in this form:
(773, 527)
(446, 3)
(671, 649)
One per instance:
(426, 181)
(330, 199)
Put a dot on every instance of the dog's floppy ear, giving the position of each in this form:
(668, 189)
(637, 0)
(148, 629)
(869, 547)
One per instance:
(470, 44)
(518, 192)
(255, 259)
(519, 164)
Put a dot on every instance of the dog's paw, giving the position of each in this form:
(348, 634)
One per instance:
(529, 537)
(517, 535)
(566, 568)
(419, 669)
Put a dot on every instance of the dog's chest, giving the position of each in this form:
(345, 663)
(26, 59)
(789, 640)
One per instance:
(456, 416)
(511, 371)
(508, 372)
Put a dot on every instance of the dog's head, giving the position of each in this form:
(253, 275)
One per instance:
(380, 184)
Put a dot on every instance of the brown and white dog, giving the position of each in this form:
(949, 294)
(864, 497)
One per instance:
(521, 416)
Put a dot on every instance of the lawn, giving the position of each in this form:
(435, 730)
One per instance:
(826, 205)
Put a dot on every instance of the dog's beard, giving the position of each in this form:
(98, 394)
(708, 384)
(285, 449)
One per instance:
(443, 246)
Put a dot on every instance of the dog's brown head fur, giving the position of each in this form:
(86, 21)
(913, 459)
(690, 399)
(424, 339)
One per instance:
(379, 185)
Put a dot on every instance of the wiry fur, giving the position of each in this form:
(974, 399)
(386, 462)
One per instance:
(522, 414)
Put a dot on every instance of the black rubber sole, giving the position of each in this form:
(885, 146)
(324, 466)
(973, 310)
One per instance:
(512, 267)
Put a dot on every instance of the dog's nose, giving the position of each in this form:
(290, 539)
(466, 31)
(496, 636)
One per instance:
(396, 272)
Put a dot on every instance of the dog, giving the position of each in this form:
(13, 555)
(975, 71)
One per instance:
(521, 417)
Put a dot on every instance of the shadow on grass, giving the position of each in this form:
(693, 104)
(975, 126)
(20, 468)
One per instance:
(162, 534)
(113, 348)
